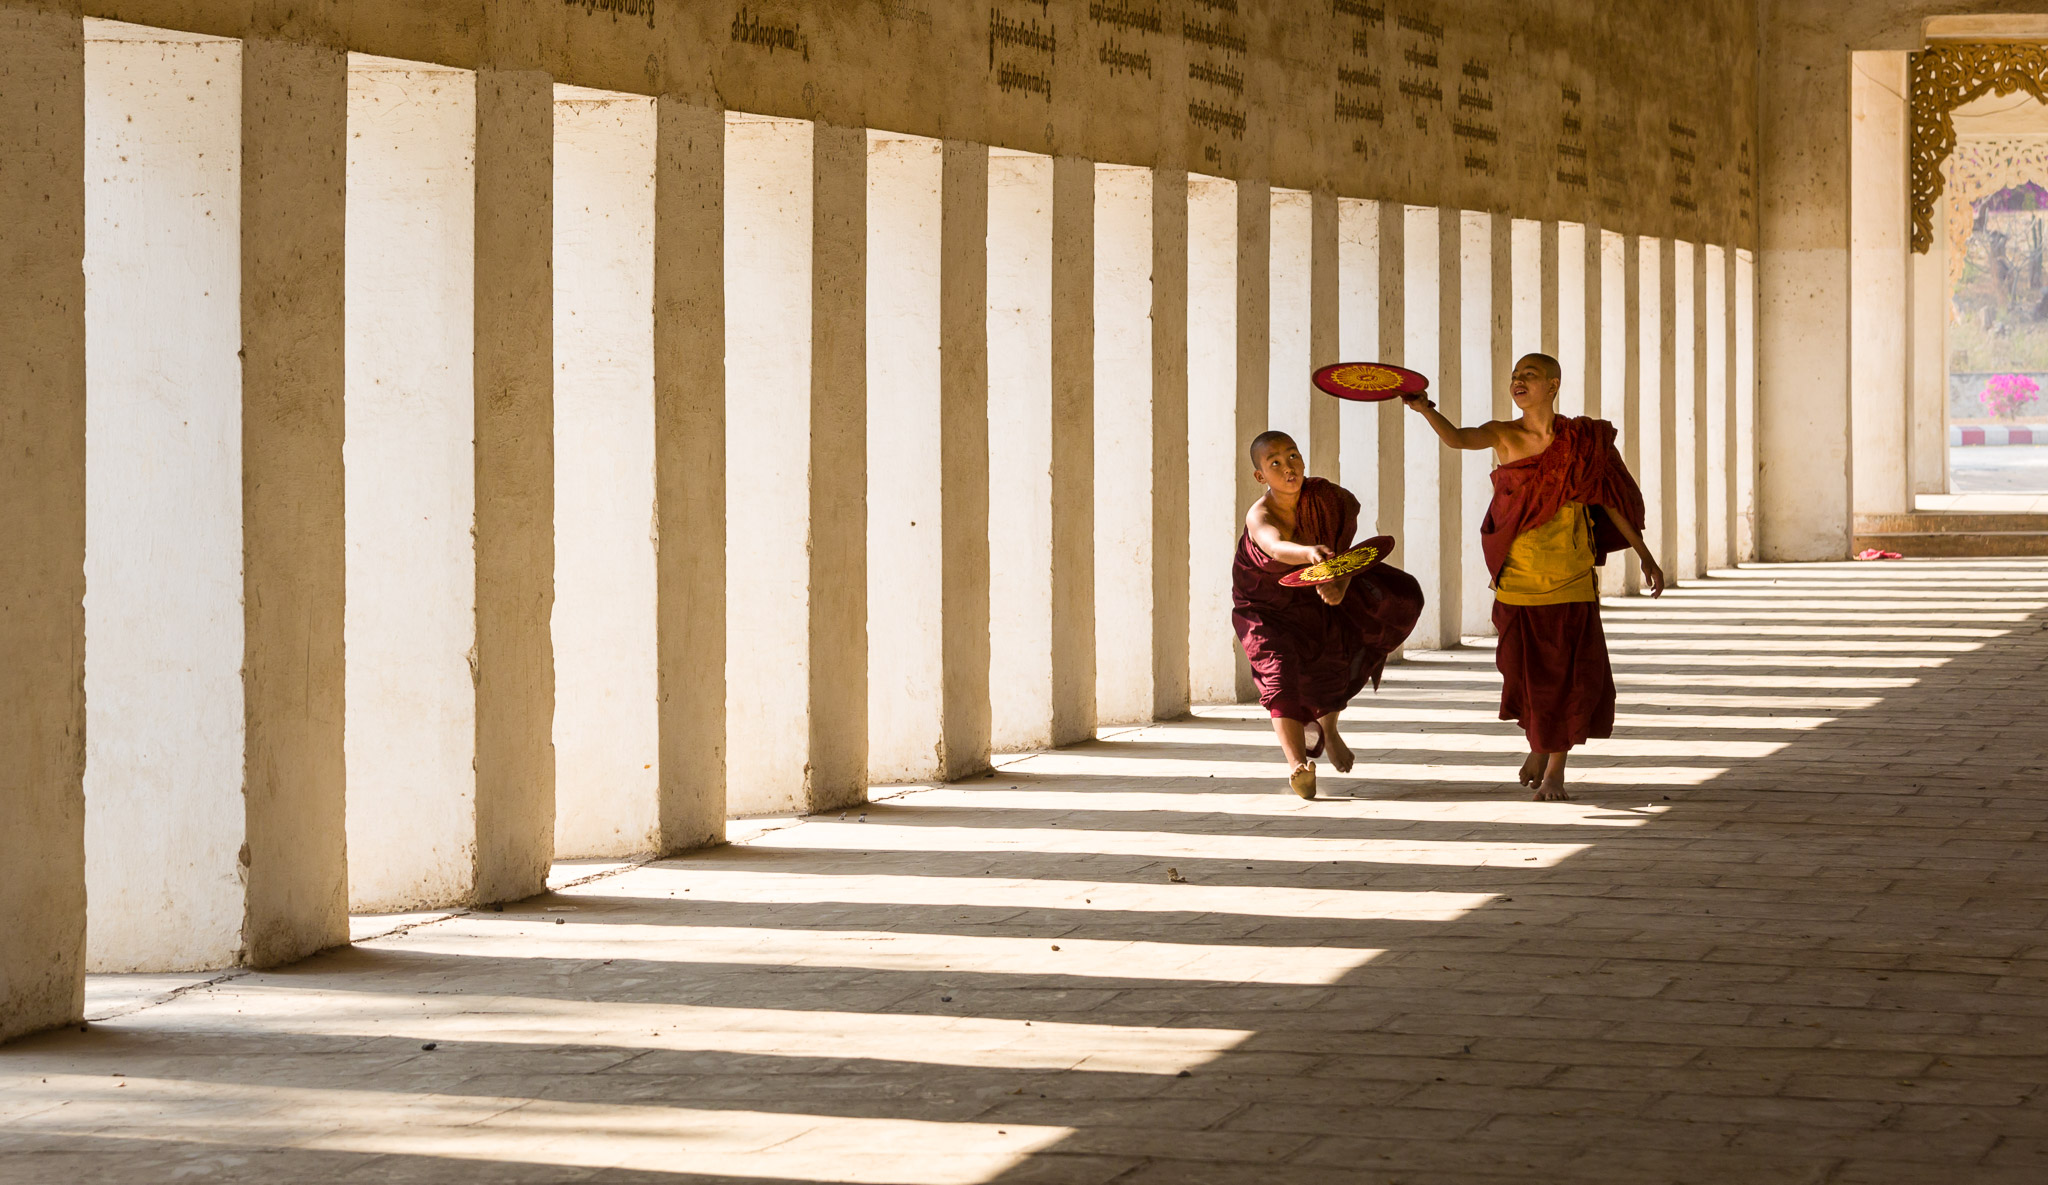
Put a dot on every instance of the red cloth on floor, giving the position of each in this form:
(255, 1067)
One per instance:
(1555, 680)
(1309, 658)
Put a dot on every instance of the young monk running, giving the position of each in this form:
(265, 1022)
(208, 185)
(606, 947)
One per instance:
(1562, 500)
(1311, 649)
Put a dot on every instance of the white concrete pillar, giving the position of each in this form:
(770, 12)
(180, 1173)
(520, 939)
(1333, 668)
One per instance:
(163, 560)
(1254, 325)
(1591, 335)
(1472, 470)
(1927, 431)
(690, 471)
(1548, 255)
(836, 666)
(1141, 444)
(410, 470)
(769, 208)
(1289, 300)
(1124, 480)
(963, 457)
(1072, 477)
(1254, 355)
(1713, 500)
(1695, 327)
(1878, 292)
(806, 205)
(1172, 575)
(1743, 488)
(515, 483)
(1661, 436)
(1391, 502)
(1020, 362)
(1217, 461)
(1682, 474)
(606, 728)
(1615, 327)
(1428, 546)
(1528, 279)
(1358, 340)
(1501, 269)
(1804, 429)
(294, 214)
(1645, 401)
(1569, 316)
(1325, 415)
(43, 483)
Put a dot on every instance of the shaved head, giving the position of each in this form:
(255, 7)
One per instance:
(1264, 441)
(1551, 370)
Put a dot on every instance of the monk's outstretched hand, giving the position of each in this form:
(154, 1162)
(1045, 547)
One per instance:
(1653, 576)
(1333, 592)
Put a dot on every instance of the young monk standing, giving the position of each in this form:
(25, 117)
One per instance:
(1311, 649)
(1562, 500)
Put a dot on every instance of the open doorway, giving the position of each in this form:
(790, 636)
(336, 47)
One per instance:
(1993, 243)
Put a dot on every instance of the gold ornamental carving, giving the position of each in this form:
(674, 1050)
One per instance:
(1943, 79)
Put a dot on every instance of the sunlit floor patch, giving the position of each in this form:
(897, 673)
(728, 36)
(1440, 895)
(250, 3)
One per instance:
(542, 1132)
(933, 1034)
(1160, 893)
(1370, 776)
(1163, 962)
(1387, 814)
(1077, 836)
(1796, 894)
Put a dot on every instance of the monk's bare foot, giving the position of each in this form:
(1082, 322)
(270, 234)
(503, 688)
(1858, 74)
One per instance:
(1340, 753)
(1532, 771)
(1302, 779)
(1552, 790)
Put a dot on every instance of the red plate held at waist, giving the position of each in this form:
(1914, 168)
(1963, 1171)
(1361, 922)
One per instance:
(1369, 381)
(1348, 563)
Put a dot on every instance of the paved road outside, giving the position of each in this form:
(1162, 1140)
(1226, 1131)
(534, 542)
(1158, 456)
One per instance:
(1998, 469)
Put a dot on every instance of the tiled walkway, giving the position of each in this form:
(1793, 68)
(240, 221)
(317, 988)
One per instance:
(1792, 931)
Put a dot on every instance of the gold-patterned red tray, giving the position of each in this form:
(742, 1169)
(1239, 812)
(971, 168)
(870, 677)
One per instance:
(1369, 381)
(1348, 563)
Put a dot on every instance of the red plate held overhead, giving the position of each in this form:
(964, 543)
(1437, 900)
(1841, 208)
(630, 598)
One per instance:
(1369, 381)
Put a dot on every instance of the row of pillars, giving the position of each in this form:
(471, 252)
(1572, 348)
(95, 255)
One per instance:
(603, 467)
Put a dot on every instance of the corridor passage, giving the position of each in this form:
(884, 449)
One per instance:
(1790, 931)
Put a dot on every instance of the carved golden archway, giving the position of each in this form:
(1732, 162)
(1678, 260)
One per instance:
(1943, 79)
(1978, 168)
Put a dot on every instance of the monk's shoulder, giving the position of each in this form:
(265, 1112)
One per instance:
(1324, 486)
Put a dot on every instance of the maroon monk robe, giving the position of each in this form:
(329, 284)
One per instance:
(1555, 677)
(1308, 657)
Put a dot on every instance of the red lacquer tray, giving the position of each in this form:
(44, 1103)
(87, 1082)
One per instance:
(1348, 563)
(1369, 381)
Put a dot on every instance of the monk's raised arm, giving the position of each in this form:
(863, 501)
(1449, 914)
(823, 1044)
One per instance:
(1267, 534)
(1484, 436)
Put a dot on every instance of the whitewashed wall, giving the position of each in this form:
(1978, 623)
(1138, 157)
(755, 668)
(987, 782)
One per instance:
(1020, 449)
(1123, 444)
(768, 193)
(410, 627)
(605, 729)
(904, 490)
(163, 556)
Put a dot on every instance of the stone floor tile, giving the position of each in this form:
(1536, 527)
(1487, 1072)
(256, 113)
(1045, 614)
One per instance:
(1791, 928)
